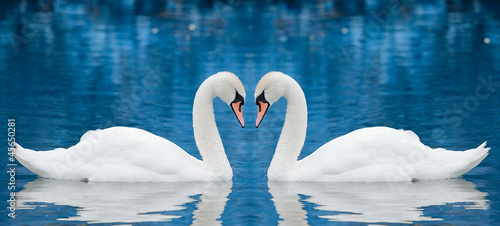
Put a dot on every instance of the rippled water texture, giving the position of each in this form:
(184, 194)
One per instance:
(433, 67)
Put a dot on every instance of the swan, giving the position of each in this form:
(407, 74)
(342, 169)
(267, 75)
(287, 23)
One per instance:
(124, 154)
(375, 154)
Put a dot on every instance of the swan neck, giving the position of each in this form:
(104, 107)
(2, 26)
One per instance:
(207, 135)
(292, 135)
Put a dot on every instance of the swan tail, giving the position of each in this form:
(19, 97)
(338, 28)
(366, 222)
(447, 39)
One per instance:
(27, 158)
(444, 164)
(471, 158)
(40, 162)
(477, 155)
(23, 155)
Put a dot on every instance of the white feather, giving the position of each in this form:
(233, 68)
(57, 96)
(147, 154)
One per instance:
(377, 154)
(123, 154)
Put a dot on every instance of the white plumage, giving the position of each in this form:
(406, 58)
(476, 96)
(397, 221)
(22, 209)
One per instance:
(376, 154)
(123, 154)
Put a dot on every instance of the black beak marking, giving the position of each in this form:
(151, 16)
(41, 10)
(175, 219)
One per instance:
(261, 98)
(237, 99)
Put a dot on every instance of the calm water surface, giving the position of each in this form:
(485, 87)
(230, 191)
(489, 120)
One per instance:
(431, 67)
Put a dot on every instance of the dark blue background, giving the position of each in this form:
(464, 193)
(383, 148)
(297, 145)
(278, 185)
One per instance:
(82, 65)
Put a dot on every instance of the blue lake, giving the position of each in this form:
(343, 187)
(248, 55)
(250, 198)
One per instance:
(432, 67)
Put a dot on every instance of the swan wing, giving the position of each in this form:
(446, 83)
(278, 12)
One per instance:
(379, 154)
(114, 154)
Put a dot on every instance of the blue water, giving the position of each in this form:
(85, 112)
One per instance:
(432, 67)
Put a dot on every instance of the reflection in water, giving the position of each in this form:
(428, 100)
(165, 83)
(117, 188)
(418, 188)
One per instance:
(127, 202)
(374, 202)
(96, 64)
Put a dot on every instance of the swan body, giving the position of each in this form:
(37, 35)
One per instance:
(123, 154)
(376, 154)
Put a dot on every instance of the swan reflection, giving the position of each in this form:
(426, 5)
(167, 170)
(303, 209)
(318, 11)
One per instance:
(127, 202)
(374, 202)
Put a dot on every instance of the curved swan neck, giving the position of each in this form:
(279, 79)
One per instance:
(206, 133)
(293, 133)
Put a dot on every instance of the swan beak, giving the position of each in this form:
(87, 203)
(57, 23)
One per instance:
(236, 106)
(263, 106)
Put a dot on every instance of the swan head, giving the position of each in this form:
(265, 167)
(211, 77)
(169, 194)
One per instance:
(270, 89)
(229, 89)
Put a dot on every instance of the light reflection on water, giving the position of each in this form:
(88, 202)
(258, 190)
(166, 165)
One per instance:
(94, 64)
(138, 202)
(374, 202)
(152, 202)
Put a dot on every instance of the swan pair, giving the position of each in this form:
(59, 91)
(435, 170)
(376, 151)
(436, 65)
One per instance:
(377, 154)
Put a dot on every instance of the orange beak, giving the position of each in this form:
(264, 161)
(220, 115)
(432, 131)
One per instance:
(236, 106)
(263, 106)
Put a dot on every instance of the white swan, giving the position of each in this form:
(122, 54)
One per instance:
(123, 154)
(376, 154)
